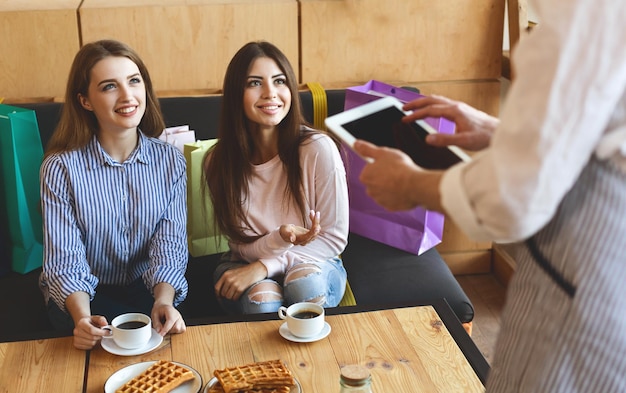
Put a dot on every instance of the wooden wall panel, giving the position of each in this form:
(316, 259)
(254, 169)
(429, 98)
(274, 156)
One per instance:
(481, 94)
(468, 262)
(417, 40)
(187, 44)
(38, 42)
(442, 47)
(504, 261)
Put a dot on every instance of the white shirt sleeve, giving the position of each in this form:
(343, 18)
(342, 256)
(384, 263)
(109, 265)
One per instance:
(567, 99)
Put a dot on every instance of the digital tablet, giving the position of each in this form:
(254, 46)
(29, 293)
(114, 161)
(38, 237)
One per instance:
(380, 122)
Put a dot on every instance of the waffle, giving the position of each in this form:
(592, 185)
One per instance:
(161, 377)
(261, 377)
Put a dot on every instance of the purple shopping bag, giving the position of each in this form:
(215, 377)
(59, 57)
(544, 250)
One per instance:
(414, 231)
(373, 90)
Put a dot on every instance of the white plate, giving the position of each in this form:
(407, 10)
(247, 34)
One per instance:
(121, 376)
(213, 381)
(284, 331)
(110, 346)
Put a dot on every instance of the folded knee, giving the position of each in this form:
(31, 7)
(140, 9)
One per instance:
(302, 270)
(305, 283)
(265, 292)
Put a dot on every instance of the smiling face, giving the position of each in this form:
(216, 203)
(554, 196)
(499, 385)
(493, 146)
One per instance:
(116, 94)
(266, 98)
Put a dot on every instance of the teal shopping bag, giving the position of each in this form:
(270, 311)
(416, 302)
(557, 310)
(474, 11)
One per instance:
(21, 157)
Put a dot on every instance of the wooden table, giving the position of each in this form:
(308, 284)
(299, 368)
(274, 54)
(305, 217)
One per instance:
(48, 365)
(413, 348)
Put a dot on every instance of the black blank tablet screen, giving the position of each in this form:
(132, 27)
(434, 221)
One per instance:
(385, 128)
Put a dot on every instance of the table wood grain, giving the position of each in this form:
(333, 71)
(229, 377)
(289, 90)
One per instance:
(406, 349)
(50, 365)
(412, 348)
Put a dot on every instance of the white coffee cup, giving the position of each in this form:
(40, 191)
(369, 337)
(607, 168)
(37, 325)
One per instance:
(304, 319)
(131, 330)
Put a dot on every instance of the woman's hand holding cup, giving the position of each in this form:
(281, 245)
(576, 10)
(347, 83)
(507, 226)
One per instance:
(131, 330)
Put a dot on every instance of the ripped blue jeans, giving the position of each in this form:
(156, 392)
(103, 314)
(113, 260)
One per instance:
(321, 282)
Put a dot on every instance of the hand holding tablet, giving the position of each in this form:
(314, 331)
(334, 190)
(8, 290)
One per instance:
(380, 122)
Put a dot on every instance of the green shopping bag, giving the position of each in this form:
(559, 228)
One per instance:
(22, 154)
(201, 237)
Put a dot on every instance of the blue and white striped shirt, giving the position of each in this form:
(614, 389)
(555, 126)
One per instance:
(111, 223)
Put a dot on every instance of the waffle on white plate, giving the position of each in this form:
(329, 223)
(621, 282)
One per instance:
(270, 376)
(161, 377)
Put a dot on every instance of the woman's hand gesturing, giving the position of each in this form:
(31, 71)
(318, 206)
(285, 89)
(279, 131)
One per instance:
(298, 235)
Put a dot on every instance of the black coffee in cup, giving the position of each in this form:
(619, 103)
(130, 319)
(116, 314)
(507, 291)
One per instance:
(131, 325)
(306, 314)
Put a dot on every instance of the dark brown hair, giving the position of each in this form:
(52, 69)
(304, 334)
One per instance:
(78, 125)
(227, 166)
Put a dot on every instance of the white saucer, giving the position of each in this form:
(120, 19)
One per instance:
(121, 376)
(284, 331)
(213, 381)
(110, 346)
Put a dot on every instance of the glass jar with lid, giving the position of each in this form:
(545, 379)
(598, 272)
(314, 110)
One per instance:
(355, 378)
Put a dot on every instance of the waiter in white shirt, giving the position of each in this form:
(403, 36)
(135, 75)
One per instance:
(552, 176)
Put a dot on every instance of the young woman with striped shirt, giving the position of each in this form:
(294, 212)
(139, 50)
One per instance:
(113, 200)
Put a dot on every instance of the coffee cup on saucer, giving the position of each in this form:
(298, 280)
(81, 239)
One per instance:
(303, 319)
(130, 331)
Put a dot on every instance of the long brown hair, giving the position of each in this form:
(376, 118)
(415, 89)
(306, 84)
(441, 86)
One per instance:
(78, 125)
(227, 166)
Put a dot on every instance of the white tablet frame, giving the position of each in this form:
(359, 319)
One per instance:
(335, 123)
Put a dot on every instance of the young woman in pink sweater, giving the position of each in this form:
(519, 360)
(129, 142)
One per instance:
(279, 191)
